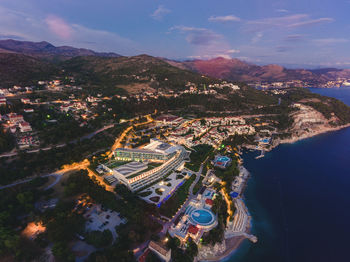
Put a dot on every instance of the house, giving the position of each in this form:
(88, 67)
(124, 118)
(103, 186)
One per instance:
(14, 118)
(65, 108)
(162, 252)
(2, 101)
(209, 202)
(25, 100)
(25, 127)
(28, 110)
(25, 142)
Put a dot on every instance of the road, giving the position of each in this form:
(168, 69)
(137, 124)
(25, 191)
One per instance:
(118, 141)
(67, 168)
(88, 136)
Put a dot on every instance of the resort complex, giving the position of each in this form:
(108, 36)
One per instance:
(137, 168)
(222, 161)
(197, 218)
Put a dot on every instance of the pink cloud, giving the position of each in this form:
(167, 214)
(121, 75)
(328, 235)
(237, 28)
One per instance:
(59, 27)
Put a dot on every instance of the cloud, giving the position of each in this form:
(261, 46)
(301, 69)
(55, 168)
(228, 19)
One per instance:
(206, 43)
(210, 56)
(160, 12)
(294, 38)
(59, 27)
(283, 49)
(282, 10)
(198, 36)
(285, 22)
(232, 51)
(23, 26)
(227, 18)
(257, 37)
(330, 41)
(312, 22)
(103, 40)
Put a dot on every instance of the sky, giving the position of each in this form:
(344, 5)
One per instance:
(294, 33)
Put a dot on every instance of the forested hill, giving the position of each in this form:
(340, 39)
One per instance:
(132, 74)
(18, 69)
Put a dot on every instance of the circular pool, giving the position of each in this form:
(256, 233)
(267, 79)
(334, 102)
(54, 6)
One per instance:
(202, 217)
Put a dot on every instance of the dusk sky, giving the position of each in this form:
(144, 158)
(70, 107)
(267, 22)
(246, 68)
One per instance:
(307, 33)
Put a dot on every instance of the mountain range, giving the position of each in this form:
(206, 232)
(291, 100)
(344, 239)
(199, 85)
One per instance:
(19, 60)
(237, 70)
(46, 50)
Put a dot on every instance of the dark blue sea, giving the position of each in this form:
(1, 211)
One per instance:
(299, 199)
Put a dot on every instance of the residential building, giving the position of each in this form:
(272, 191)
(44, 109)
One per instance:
(162, 252)
(25, 127)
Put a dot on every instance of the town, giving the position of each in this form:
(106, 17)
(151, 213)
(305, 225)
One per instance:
(165, 160)
(144, 176)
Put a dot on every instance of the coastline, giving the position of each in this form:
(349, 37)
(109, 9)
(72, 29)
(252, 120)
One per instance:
(308, 135)
(229, 245)
(232, 244)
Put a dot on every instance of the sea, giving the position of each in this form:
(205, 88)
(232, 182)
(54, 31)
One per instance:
(299, 199)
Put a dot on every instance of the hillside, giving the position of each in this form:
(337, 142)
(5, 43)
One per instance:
(17, 69)
(237, 70)
(110, 69)
(46, 50)
(133, 74)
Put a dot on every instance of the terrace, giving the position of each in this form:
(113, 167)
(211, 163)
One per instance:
(160, 192)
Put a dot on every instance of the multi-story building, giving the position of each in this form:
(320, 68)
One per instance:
(138, 175)
(156, 151)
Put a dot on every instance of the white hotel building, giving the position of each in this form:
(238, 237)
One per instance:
(136, 174)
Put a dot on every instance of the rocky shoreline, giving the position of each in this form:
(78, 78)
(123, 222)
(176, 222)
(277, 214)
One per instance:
(222, 250)
(310, 134)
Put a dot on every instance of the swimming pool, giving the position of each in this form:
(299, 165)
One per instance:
(223, 159)
(202, 217)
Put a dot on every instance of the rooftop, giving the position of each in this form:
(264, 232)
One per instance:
(193, 229)
(159, 248)
(131, 167)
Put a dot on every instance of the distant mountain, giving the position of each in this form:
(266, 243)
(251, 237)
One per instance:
(47, 50)
(237, 70)
(24, 61)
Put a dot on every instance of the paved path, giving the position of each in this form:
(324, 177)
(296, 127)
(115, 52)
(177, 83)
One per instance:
(183, 207)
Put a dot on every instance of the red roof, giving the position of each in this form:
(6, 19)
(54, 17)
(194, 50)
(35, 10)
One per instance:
(209, 202)
(193, 229)
(24, 124)
(143, 257)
